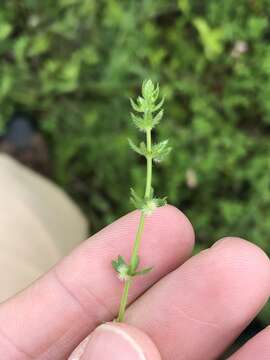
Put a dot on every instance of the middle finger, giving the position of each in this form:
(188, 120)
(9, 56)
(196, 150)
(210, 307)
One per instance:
(196, 311)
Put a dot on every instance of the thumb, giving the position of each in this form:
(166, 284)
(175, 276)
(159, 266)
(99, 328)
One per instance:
(116, 341)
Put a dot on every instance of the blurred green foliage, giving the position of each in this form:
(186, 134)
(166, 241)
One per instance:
(74, 64)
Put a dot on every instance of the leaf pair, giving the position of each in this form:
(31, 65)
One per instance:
(124, 270)
(158, 152)
(147, 120)
(146, 205)
(141, 149)
(143, 122)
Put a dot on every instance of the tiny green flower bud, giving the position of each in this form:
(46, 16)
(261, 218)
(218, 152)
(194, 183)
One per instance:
(148, 89)
(149, 207)
(123, 272)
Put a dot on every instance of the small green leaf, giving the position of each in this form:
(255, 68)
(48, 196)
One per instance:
(148, 89)
(137, 201)
(160, 151)
(143, 271)
(143, 148)
(121, 260)
(157, 118)
(158, 106)
(151, 204)
(134, 147)
(146, 205)
(139, 122)
(135, 106)
(118, 262)
(121, 267)
(156, 93)
(160, 201)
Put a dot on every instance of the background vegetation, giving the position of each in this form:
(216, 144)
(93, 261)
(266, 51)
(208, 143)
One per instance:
(73, 64)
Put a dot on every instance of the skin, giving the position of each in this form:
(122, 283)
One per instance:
(186, 308)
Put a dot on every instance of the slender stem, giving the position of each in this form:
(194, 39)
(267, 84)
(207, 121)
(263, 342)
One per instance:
(124, 300)
(134, 255)
(137, 243)
(149, 164)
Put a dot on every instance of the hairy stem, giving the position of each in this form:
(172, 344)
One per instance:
(134, 255)
(124, 300)
(149, 164)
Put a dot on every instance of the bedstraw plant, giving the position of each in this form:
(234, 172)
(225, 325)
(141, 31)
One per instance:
(148, 113)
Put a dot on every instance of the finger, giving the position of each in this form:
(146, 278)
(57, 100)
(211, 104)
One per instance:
(256, 348)
(204, 305)
(119, 342)
(61, 308)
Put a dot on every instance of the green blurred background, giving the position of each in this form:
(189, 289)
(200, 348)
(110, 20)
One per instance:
(73, 64)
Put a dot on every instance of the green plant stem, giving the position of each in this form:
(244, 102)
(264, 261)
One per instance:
(134, 255)
(124, 300)
(149, 164)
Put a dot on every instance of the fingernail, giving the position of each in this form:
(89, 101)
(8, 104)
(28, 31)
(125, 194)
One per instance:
(112, 342)
(78, 352)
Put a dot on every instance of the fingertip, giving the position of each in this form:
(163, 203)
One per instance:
(182, 223)
(246, 251)
(178, 227)
(244, 268)
(119, 341)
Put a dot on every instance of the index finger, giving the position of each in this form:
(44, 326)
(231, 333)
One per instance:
(62, 307)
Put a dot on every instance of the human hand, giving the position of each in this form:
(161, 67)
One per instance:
(186, 308)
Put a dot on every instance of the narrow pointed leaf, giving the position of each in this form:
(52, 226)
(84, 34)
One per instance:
(144, 271)
(138, 122)
(155, 93)
(134, 147)
(115, 265)
(157, 118)
(160, 201)
(135, 106)
(158, 106)
(136, 199)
